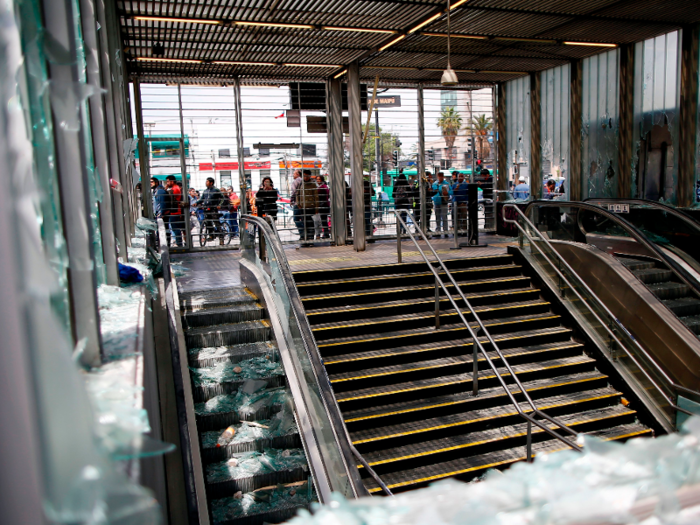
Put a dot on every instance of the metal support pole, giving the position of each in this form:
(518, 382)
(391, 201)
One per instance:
(528, 449)
(421, 159)
(71, 161)
(335, 155)
(471, 134)
(454, 226)
(357, 184)
(243, 209)
(501, 145)
(99, 141)
(535, 137)
(113, 144)
(378, 148)
(688, 116)
(437, 305)
(146, 200)
(183, 170)
(475, 368)
(626, 122)
(398, 240)
(576, 103)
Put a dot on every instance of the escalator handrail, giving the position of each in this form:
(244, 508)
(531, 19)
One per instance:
(654, 204)
(599, 302)
(330, 404)
(531, 420)
(634, 232)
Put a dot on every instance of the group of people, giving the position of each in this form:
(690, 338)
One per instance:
(522, 189)
(440, 195)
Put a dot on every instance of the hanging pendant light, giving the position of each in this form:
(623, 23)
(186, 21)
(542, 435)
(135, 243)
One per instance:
(449, 77)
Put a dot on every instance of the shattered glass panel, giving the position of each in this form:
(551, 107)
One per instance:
(556, 124)
(47, 203)
(518, 129)
(656, 118)
(600, 124)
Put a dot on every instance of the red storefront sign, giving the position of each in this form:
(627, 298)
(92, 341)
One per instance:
(230, 166)
(308, 164)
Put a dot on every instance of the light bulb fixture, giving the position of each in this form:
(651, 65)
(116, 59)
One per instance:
(274, 24)
(592, 44)
(449, 77)
(239, 63)
(397, 39)
(177, 20)
(341, 73)
(425, 22)
(359, 29)
(174, 60)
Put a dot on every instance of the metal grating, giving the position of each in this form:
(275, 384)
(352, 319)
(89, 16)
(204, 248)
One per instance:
(554, 21)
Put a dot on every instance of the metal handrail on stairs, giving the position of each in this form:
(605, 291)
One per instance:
(478, 347)
(611, 319)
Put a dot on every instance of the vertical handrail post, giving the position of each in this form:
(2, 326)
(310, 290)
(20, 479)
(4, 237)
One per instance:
(398, 240)
(437, 305)
(529, 442)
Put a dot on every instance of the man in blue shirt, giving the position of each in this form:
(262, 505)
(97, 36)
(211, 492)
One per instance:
(522, 190)
(160, 198)
(460, 191)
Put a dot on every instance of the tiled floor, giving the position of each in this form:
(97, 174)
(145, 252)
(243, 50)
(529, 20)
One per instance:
(212, 270)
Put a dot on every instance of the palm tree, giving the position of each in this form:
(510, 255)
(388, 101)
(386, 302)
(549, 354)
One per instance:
(449, 123)
(481, 125)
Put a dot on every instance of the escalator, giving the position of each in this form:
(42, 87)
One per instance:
(405, 387)
(638, 261)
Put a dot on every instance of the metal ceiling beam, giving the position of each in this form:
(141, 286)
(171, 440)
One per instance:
(588, 16)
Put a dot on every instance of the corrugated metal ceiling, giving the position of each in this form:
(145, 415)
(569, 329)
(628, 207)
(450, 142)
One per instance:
(552, 21)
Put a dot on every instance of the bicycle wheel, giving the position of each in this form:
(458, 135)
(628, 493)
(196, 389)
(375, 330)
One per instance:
(203, 233)
(226, 233)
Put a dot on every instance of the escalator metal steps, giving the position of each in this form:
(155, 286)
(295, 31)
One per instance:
(391, 436)
(653, 275)
(636, 264)
(203, 357)
(669, 290)
(213, 454)
(344, 380)
(447, 316)
(223, 315)
(228, 334)
(199, 300)
(465, 401)
(357, 297)
(580, 421)
(471, 467)
(202, 393)
(407, 337)
(363, 359)
(443, 384)
(344, 285)
(322, 316)
(683, 306)
(396, 268)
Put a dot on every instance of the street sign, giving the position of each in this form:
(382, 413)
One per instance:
(388, 102)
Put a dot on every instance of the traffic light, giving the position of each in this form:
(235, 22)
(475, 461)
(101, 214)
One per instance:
(431, 155)
(476, 154)
(398, 143)
(395, 157)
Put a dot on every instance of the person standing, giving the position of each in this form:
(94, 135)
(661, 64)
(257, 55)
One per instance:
(176, 221)
(522, 190)
(211, 202)
(441, 200)
(307, 202)
(324, 206)
(460, 191)
(293, 197)
(402, 197)
(368, 193)
(235, 204)
(160, 203)
(266, 199)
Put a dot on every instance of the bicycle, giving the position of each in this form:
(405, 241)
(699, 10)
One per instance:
(224, 231)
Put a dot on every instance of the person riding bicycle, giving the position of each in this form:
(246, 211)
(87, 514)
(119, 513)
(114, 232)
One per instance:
(211, 201)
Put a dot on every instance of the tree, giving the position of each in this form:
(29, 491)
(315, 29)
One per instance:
(481, 125)
(387, 146)
(450, 122)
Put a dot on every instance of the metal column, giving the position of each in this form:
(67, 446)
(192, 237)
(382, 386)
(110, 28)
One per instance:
(421, 158)
(334, 112)
(71, 161)
(99, 141)
(183, 169)
(576, 105)
(471, 134)
(243, 210)
(113, 144)
(357, 183)
(535, 137)
(143, 154)
(688, 116)
(626, 129)
(502, 155)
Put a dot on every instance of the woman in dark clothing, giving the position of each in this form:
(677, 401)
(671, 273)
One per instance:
(266, 199)
(402, 197)
(324, 205)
